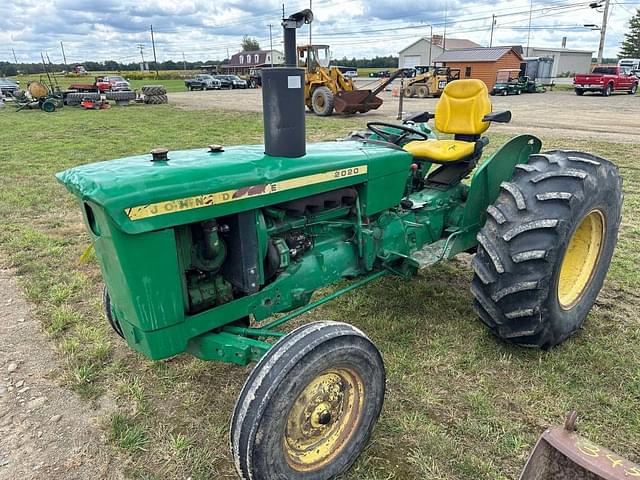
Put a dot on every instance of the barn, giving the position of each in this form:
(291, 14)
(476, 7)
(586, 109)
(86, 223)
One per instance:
(481, 63)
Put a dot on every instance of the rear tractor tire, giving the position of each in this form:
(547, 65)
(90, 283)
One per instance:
(151, 90)
(309, 406)
(322, 101)
(156, 99)
(546, 246)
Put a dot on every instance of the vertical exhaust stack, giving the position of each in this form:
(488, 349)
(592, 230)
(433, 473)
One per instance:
(283, 97)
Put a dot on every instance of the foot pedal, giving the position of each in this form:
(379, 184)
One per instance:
(429, 255)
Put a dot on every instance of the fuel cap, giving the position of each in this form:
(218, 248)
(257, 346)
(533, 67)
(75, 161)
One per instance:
(159, 154)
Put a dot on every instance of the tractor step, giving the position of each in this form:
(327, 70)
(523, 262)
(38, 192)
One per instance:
(430, 254)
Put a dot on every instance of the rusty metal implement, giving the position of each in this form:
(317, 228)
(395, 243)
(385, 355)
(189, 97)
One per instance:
(560, 453)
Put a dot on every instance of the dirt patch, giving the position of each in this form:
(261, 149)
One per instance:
(46, 431)
(557, 114)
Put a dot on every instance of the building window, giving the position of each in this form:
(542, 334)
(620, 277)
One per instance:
(268, 60)
(256, 58)
(467, 72)
(248, 58)
(241, 59)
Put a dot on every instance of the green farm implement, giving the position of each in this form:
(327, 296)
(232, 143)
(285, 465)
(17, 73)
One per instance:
(199, 249)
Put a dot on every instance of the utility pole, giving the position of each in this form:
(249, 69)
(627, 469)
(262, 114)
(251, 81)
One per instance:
(141, 47)
(14, 56)
(184, 62)
(310, 5)
(493, 22)
(430, 44)
(64, 57)
(271, 44)
(153, 45)
(603, 30)
(529, 34)
(444, 37)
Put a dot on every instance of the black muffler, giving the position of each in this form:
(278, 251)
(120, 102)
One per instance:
(283, 97)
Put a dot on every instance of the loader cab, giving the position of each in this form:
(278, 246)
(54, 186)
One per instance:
(313, 57)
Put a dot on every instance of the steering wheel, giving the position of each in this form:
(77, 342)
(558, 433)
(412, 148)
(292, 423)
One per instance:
(395, 138)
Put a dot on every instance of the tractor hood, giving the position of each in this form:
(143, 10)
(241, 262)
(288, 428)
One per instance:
(192, 185)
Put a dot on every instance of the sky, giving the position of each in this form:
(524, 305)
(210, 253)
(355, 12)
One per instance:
(207, 30)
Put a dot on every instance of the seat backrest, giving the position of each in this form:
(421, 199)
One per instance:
(462, 106)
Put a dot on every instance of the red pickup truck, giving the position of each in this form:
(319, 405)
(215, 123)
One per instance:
(606, 80)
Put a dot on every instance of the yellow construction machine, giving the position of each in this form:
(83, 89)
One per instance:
(430, 81)
(326, 89)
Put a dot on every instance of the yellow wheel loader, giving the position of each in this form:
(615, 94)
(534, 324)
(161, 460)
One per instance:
(327, 90)
(430, 81)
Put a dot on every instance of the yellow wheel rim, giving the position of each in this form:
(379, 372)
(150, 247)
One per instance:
(320, 101)
(581, 259)
(323, 419)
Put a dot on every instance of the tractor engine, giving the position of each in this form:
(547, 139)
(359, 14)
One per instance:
(236, 255)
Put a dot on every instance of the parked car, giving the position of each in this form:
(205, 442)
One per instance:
(380, 74)
(225, 83)
(236, 81)
(113, 83)
(606, 80)
(203, 82)
(9, 87)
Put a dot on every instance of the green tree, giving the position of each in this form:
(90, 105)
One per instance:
(631, 43)
(249, 44)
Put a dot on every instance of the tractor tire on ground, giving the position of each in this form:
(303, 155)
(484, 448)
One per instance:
(322, 101)
(75, 98)
(156, 99)
(309, 406)
(121, 96)
(151, 90)
(106, 305)
(409, 92)
(546, 246)
(422, 91)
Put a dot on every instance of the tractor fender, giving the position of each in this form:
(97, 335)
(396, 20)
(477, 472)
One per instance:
(485, 186)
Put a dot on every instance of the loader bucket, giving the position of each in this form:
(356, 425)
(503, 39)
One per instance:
(562, 454)
(356, 101)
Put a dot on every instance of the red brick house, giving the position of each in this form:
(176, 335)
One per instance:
(240, 63)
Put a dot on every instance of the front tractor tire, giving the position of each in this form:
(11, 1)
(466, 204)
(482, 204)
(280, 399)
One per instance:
(309, 406)
(322, 101)
(546, 246)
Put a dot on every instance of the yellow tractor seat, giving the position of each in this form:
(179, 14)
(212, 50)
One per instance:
(440, 151)
(464, 111)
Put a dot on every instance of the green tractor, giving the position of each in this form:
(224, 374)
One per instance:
(199, 249)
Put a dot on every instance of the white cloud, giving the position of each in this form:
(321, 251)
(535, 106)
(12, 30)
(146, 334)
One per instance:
(111, 29)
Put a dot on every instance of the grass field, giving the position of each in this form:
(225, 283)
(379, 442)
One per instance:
(460, 404)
